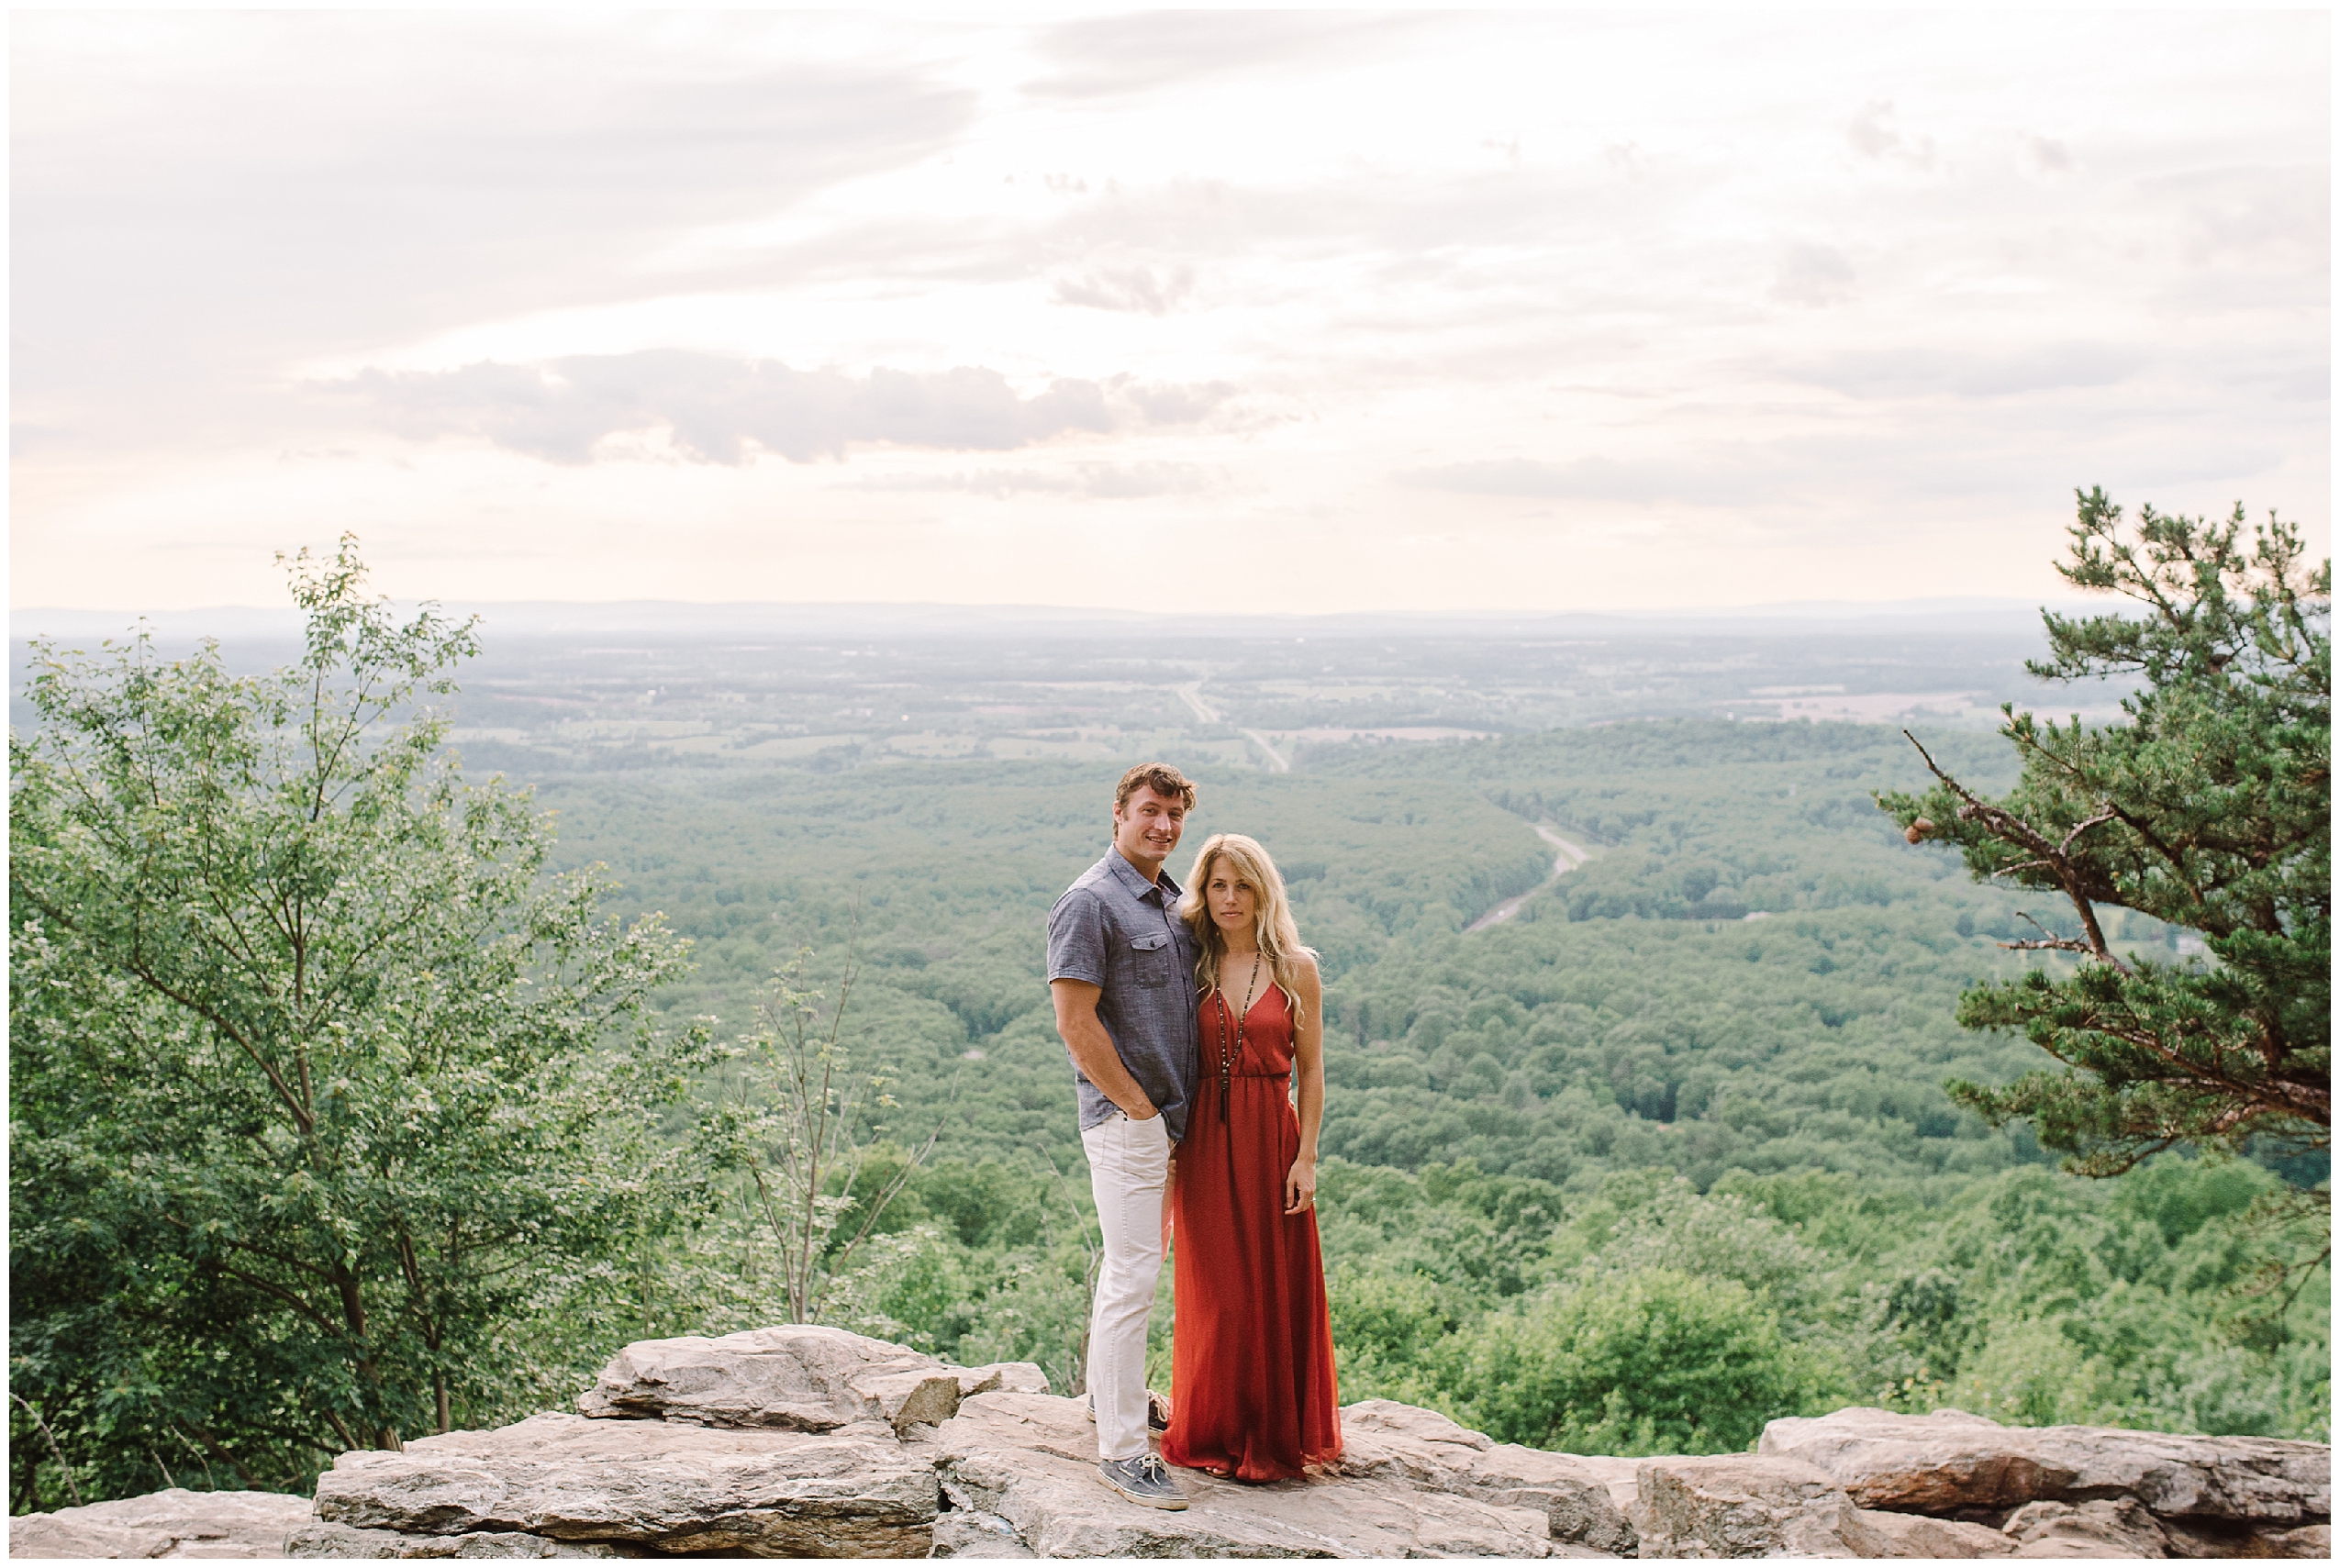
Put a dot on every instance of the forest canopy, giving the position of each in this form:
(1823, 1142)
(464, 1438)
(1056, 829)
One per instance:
(1665, 1155)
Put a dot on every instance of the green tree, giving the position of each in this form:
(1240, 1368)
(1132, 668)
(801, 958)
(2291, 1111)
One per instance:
(329, 1105)
(1649, 1360)
(2208, 808)
(800, 1130)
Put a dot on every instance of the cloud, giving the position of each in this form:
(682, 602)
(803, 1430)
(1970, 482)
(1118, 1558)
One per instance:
(1922, 372)
(200, 195)
(721, 410)
(1171, 402)
(2045, 155)
(1127, 288)
(1812, 275)
(1582, 478)
(1109, 55)
(1098, 481)
(1871, 135)
(1302, 236)
(2254, 216)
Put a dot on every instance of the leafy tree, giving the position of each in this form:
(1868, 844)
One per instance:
(799, 1129)
(2209, 808)
(331, 1108)
(1647, 1361)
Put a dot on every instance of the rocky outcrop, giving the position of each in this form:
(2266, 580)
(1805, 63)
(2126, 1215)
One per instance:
(1914, 1535)
(2308, 1541)
(318, 1539)
(1950, 1460)
(1428, 1451)
(2104, 1527)
(798, 1377)
(794, 1442)
(853, 1492)
(1739, 1505)
(176, 1523)
(961, 1533)
(1030, 1460)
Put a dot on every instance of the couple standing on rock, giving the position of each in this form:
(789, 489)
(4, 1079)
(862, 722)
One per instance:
(1186, 1011)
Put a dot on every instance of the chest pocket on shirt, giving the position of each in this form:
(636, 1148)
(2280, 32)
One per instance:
(1151, 960)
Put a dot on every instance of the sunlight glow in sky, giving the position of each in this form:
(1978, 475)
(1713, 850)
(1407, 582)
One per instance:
(1263, 311)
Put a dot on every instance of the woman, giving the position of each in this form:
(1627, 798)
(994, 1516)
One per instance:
(1252, 1395)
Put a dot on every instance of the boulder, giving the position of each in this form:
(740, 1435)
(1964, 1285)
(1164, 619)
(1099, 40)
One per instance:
(958, 1534)
(2103, 1527)
(2119, 1527)
(1386, 1439)
(1743, 1506)
(1383, 1439)
(853, 1492)
(1914, 1535)
(797, 1377)
(1620, 1476)
(174, 1523)
(46, 1535)
(2307, 1540)
(318, 1539)
(1030, 1460)
(1950, 1460)
(1575, 1502)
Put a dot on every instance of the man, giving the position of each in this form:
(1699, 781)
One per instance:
(1121, 966)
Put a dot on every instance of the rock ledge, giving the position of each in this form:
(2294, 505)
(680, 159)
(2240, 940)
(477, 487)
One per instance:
(802, 1442)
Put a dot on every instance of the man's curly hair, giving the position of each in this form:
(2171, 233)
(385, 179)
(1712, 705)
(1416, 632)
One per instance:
(1161, 779)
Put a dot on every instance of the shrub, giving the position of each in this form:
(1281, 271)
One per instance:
(1647, 1361)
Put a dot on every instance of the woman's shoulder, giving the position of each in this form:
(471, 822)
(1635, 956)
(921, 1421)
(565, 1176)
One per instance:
(1304, 969)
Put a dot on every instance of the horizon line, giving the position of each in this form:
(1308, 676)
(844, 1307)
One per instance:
(1936, 603)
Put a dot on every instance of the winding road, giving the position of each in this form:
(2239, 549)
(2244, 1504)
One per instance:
(1571, 857)
(1192, 692)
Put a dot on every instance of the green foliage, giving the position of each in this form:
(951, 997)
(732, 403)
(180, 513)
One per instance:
(2210, 808)
(1632, 1171)
(996, 1265)
(793, 1129)
(1385, 1326)
(1504, 1103)
(1646, 1317)
(941, 878)
(330, 1109)
(2026, 1295)
(1643, 1361)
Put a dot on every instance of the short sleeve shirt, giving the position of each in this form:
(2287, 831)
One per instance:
(1117, 931)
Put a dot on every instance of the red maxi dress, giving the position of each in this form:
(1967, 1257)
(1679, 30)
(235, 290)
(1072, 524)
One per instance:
(1252, 1395)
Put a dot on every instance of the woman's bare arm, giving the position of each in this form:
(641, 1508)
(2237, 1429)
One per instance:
(1307, 1059)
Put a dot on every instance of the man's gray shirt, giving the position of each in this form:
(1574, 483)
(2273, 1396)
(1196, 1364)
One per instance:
(1119, 931)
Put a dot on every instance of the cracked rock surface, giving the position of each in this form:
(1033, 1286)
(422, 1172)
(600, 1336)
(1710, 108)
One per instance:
(797, 1377)
(853, 1492)
(318, 1539)
(1742, 1505)
(1030, 1460)
(175, 1523)
(813, 1442)
(1424, 1448)
(1951, 1461)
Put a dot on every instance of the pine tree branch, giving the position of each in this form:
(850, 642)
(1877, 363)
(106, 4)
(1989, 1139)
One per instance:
(2007, 827)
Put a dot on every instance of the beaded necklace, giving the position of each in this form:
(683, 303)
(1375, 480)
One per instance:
(1226, 1057)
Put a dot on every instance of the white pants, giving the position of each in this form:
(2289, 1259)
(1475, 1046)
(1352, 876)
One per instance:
(1129, 1162)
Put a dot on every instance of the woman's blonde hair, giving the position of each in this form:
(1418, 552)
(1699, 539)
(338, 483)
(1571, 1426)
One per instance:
(1274, 930)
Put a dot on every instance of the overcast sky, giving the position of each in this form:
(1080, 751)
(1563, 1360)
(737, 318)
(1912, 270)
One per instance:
(1254, 311)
